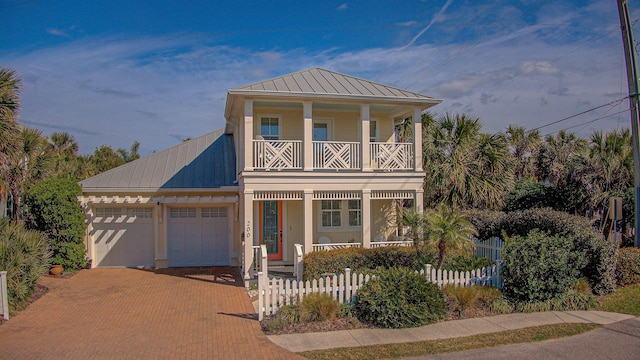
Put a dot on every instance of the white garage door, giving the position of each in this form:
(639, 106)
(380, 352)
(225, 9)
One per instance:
(198, 236)
(123, 237)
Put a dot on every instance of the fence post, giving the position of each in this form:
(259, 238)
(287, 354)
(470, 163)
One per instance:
(3, 294)
(260, 296)
(498, 274)
(347, 286)
(427, 272)
(298, 266)
(263, 259)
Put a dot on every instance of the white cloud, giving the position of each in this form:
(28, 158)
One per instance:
(57, 32)
(343, 6)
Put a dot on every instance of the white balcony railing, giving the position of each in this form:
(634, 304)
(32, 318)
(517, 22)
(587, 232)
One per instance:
(379, 244)
(391, 156)
(277, 154)
(336, 155)
(333, 246)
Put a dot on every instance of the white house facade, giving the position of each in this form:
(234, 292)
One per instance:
(308, 158)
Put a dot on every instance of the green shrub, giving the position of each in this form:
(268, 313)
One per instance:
(318, 307)
(501, 306)
(286, 315)
(628, 266)
(600, 254)
(24, 256)
(358, 260)
(569, 301)
(54, 209)
(461, 298)
(539, 267)
(398, 298)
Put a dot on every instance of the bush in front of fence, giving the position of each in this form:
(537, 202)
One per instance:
(628, 266)
(600, 255)
(463, 299)
(319, 263)
(398, 298)
(24, 256)
(539, 267)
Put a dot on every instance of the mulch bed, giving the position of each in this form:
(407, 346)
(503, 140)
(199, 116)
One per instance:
(319, 326)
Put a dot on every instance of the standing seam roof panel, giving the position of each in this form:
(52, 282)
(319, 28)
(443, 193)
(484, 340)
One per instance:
(291, 84)
(303, 83)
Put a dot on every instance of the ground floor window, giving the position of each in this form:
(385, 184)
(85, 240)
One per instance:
(339, 215)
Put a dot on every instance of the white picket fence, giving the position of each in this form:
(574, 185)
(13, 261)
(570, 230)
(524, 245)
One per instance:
(275, 293)
(4, 297)
(490, 248)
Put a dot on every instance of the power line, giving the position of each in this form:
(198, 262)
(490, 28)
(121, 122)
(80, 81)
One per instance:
(611, 103)
(588, 122)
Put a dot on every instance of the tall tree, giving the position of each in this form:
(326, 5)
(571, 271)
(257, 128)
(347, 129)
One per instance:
(555, 155)
(131, 154)
(10, 86)
(26, 166)
(465, 168)
(523, 146)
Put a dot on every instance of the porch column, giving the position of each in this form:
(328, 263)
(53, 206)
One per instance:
(248, 135)
(307, 141)
(308, 221)
(248, 233)
(365, 202)
(419, 200)
(366, 135)
(417, 138)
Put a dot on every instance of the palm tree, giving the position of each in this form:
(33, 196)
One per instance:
(555, 155)
(465, 168)
(27, 165)
(10, 86)
(523, 146)
(448, 229)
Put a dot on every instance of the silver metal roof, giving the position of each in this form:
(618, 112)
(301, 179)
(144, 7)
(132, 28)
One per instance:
(317, 81)
(205, 162)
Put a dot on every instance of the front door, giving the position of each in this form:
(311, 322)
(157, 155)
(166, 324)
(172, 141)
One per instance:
(271, 228)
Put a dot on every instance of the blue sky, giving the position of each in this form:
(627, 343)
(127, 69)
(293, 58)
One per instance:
(111, 72)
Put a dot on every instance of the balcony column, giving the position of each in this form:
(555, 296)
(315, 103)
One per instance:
(307, 110)
(365, 136)
(365, 202)
(419, 200)
(417, 138)
(248, 229)
(308, 220)
(248, 135)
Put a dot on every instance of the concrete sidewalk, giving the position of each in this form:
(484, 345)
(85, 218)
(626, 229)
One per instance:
(442, 330)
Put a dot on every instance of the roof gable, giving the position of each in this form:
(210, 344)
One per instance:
(317, 81)
(205, 162)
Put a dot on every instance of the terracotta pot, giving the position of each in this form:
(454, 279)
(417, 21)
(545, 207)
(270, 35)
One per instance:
(55, 270)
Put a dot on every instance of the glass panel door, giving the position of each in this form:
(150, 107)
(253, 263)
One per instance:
(271, 228)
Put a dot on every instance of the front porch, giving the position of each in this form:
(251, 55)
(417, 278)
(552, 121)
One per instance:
(284, 225)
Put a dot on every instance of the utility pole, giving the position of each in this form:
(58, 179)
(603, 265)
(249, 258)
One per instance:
(632, 79)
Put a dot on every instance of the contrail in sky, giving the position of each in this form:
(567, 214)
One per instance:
(433, 20)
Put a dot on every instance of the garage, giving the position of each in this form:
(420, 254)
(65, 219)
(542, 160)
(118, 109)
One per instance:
(198, 236)
(123, 237)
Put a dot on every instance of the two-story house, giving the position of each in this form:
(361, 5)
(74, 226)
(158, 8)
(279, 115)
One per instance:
(308, 158)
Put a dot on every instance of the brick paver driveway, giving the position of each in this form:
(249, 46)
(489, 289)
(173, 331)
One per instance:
(137, 314)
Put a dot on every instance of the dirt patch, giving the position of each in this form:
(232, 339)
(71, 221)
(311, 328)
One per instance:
(335, 324)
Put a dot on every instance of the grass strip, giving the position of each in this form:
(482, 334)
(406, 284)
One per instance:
(624, 300)
(432, 347)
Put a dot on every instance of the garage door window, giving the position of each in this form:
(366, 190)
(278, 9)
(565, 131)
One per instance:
(182, 213)
(140, 213)
(214, 212)
(108, 212)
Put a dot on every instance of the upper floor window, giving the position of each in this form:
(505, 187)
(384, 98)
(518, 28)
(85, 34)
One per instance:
(373, 131)
(270, 127)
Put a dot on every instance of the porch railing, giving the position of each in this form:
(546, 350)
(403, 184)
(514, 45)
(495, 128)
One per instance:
(336, 155)
(379, 244)
(391, 156)
(333, 246)
(277, 154)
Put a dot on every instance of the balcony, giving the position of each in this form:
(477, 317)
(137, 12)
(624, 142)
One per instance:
(331, 155)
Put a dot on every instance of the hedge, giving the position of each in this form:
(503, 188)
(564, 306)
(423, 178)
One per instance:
(24, 255)
(628, 266)
(601, 255)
